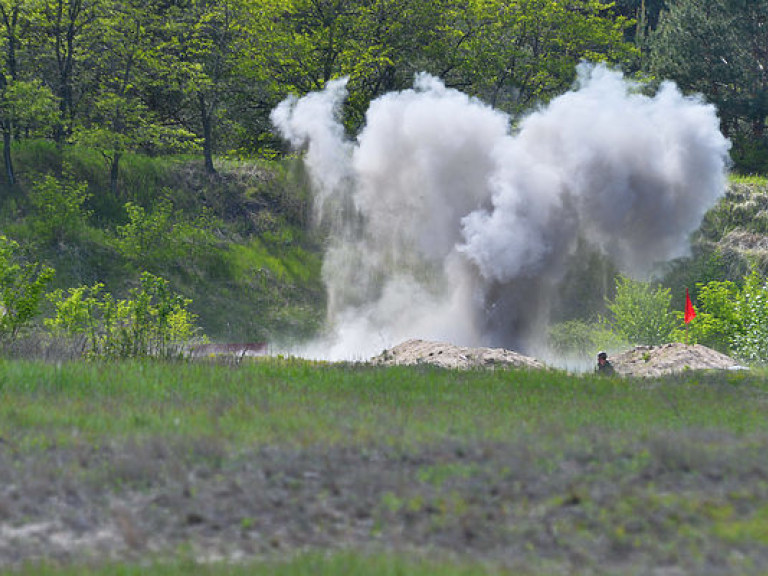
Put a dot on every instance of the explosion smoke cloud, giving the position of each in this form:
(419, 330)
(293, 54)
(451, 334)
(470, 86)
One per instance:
(445, 224)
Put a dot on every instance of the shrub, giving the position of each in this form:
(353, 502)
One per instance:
(734, 319)
(59, 212)
(641, 313)
(156, 236)
(152, 321)
(750, 339)
(21, 289)
(718, 317)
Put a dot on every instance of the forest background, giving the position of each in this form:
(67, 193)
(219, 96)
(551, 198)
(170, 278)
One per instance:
(138, 153)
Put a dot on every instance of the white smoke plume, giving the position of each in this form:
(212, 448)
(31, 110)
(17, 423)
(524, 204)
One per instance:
(447, 224)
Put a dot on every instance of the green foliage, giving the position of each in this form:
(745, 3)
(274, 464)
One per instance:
(21, 289)
(733, 319)
(641, 313)
(29, 105)
(59, 207)
(707, 46)
(750, 340)
(518, 54)
(583, 339)
(718, 318)
(153, 321)
(152, 237)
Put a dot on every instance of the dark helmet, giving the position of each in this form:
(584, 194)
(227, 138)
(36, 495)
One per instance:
(603, 355)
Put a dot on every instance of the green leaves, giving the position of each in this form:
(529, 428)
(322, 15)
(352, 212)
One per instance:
(733, 318)
(153, 236)
(750, 340)
(153, 320)
(641, 312)
(716, 47)
(60, 212)
(21, 289)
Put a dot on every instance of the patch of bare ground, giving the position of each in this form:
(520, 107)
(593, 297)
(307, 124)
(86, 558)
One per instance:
(448, 355)
(653, 361)
(671, 503)
(641, 361)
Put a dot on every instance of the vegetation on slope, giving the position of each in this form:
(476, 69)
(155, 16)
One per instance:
(236, 244)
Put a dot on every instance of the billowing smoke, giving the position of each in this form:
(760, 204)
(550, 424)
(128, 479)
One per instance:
(445, 223)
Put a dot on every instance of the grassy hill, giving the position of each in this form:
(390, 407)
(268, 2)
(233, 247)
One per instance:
(731, 241)
(236, 244)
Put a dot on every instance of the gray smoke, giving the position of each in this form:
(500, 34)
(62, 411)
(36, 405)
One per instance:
(446, 224)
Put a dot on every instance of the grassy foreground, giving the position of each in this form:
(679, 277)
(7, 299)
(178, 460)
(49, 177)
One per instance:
(302, 403)
(594, 459)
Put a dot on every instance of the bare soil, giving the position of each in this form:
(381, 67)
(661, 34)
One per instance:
(447, 355)
(641, 361)
(653, 361)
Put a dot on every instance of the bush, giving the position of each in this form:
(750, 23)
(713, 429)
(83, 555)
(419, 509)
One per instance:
(734, 319)
(718, 319)
(153, 321)
(21, 289)
(156, 236)
(59, 212)
(750, 338)
(641, 312)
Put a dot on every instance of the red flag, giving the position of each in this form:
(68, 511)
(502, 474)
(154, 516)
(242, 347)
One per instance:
(690, 313)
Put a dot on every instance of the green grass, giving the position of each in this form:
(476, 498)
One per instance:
(299, 403)
(614, 431)
(752, 179)
(339, 564)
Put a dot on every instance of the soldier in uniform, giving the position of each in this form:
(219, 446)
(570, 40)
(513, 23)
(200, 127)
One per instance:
(604, 366)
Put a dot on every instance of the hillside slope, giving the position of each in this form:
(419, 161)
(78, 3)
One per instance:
(237, 245)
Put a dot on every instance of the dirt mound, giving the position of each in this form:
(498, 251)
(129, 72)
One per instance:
(670, 359)
(642, 361)
(449, 356)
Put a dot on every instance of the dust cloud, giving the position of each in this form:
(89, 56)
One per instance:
(447, 223)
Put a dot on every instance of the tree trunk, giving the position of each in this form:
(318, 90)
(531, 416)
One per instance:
(113, 173)
(9, 173)
(205, 116)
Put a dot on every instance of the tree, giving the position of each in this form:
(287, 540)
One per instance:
(718, 48)
(65, 41)
(24, 103)
(59, 212)
(10, 13)
(117, 119)
(207, 50)
(511, 53)
(521, 52)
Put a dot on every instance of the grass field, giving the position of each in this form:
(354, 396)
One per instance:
(295, 467)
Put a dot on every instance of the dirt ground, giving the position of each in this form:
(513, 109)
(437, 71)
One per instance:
(641, 361)
(651, 361)
(447, 355)
(582, 508)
